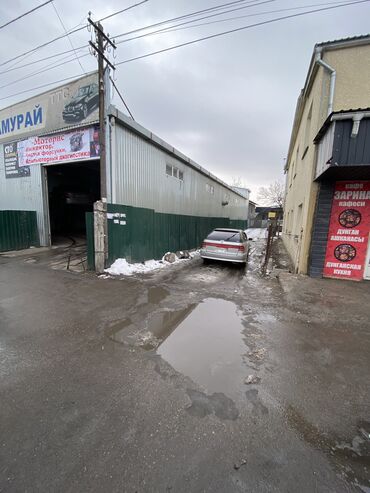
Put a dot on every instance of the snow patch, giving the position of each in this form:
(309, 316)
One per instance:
(122, 268)
(256, 233)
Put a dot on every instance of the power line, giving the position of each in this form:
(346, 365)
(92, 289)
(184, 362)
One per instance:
(255, 14)
(121, 11)
(79, 48)
(66, 60)
(197, 12)
(44, 69)
(123, 34)
(82, 56)
(123, 101)
(26, 13)
(40, 87)
(73, 31)
(230, 31)
(68, 37)
(171, 28)
(249, 26)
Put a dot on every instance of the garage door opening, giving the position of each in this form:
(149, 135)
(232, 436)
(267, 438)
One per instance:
(72, 190)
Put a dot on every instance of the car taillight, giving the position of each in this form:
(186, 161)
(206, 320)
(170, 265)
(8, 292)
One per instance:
(241, 248)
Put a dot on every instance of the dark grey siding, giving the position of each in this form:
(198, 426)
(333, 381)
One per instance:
(320, 228)
(349, 150)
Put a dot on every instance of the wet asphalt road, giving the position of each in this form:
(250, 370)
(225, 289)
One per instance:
(139, 384)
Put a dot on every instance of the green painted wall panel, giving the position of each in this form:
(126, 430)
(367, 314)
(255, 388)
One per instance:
(18, 230)
(148, 234)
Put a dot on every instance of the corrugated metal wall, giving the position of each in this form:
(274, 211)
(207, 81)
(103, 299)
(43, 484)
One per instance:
(18, 230)
(23, 194)
(139, 179)
(348, 150)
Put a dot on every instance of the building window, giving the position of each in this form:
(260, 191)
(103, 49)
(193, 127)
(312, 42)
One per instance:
(296, 164)
(175, 172)
(307, 132)
(210, 188)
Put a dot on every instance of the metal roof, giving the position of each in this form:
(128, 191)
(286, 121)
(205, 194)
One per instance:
(344, 41)
(330, 118)
(158, 142)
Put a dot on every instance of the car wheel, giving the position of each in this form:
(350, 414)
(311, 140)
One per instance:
(206, 261)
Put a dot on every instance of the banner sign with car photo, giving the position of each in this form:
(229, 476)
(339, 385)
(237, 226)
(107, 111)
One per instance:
(348, 231)
(64, 106)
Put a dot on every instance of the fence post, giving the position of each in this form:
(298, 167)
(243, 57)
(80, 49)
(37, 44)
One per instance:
(270, 236)
(99, 235)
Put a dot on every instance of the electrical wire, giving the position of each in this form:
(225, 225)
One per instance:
(172, 29)
(255, 14)
(123, 34)
(26, 13)
(230, 31)
(197, 12)
(212, 36)
(42, 86)
(47, 68)
(43, 59)
(120, 95)
(73, 31)
(166, 29)
(68, 36)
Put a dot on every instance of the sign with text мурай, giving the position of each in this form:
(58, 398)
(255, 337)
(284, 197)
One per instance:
(348, 230)
(68, 105)
(11, 163)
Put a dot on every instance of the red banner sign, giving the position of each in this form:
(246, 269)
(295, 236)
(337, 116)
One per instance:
(348, 230)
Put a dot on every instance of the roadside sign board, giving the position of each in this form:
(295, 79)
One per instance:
(348, 231)
(65, 106)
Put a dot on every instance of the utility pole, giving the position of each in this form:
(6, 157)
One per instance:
(102, 41)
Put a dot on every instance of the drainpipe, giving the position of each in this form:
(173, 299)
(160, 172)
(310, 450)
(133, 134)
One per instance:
(333, 75)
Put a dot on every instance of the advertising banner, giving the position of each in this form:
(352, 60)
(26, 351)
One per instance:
(78, 145)
(348, 231)
(65, 106)
(12, 169)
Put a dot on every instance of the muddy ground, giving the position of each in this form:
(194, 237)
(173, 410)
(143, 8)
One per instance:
(193, 378)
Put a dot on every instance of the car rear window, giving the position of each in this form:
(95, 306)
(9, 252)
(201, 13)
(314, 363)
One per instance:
(225, 236)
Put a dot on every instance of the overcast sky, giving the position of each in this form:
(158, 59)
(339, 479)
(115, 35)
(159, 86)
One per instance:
(228, 103)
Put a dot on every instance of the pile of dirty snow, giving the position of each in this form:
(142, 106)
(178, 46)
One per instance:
(122, 268)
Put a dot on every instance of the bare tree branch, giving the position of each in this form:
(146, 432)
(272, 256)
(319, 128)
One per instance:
(273, 195)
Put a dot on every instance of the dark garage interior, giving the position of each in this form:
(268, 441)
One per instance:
(72, 189)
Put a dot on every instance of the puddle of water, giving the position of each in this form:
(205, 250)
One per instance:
(206, 346)
(157, 294)
(159, 327)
